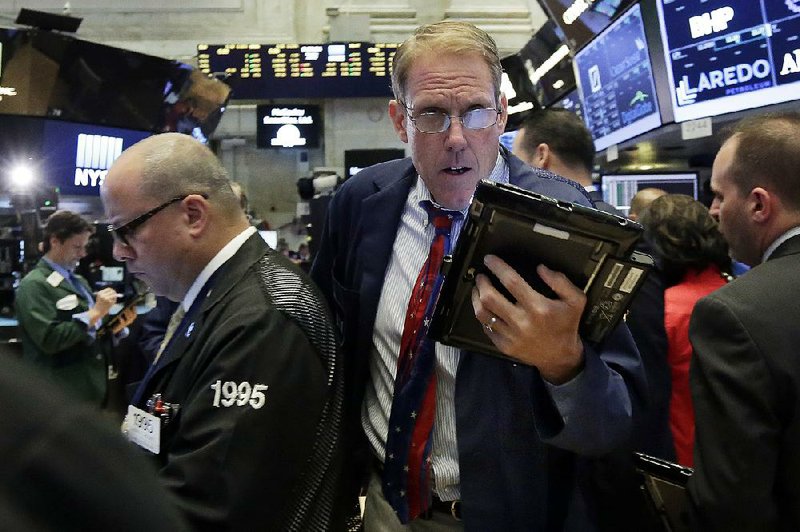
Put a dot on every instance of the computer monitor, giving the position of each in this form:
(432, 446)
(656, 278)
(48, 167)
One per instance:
(548, 64)
(580, 20)
(616, 83)
(357, 160)
(571, 102)
(619, 189)
(724, 56)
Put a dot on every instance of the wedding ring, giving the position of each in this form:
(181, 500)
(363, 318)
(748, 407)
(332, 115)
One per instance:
(488, 325)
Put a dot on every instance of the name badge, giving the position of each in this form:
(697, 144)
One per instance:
(54, 279)
(143, 429)
(69, 302)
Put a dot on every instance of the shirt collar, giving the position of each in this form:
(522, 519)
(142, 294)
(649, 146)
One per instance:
(228, 251)
(794, 231)
(65, 273)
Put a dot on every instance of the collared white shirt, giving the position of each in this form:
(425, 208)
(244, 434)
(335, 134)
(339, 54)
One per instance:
(410, 250)
(780, 240)
(228, 251)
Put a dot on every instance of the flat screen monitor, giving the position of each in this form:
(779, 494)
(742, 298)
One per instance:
(581, 20)
(548, 63)
(76, 157)
(516, 85)
(52, 75)
(571, 102)
(619, 189)
(332, 70)
(615, 79)
(288, 126)
(357, 160)
(725, 56)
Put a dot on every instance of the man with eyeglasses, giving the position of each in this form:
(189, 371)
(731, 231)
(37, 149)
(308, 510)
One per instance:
(59, 315)
(241, 408)
(488, 443)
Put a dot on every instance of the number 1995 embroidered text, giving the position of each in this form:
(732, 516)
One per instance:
(229, 393)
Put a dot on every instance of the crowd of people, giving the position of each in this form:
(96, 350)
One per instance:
(273, 398)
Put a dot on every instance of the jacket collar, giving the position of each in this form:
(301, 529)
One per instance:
(233, 270)
(790, 246)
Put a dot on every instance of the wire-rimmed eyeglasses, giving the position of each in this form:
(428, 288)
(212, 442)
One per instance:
(439, 121)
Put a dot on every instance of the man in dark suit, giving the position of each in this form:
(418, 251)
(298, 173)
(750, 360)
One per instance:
(505, 433)
(558, 140)
(245, 390)
(745, 377)
(65, 468)
(59, 316)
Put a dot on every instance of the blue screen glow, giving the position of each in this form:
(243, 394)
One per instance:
(721, 52)
(615, 80)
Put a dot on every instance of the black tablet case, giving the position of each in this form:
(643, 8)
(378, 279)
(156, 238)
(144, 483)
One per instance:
(664, 484)
(592, 248)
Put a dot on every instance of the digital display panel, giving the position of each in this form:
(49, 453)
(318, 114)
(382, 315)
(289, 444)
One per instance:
(357, 160)
(548, 64)
(288, 126)
(333, 70)
(76, 157)
(571, 102)
(52, 75)
(581, 20)
(616, 84)
(728, 55)
(619, 189)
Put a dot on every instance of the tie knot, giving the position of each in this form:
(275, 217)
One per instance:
(441, 219)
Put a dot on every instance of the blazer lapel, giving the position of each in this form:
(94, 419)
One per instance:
(380, 214)
(253, 248)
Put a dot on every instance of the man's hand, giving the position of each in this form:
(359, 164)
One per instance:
(104, 300)
(535, 330)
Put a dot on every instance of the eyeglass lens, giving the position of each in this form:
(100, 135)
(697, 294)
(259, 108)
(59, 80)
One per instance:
(437, 121)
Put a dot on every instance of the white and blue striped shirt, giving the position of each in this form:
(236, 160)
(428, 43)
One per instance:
(410, 250)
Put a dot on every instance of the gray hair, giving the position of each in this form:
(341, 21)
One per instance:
(441, 38)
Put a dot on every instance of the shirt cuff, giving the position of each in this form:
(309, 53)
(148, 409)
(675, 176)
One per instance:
(83, 317)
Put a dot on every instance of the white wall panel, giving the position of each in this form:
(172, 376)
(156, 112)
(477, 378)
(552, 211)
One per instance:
(131, 7)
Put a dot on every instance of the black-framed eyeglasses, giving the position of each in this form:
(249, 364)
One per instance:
(122, 232)
(439, 121)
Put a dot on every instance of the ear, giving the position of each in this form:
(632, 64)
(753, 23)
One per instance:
(196, 210)
(761, 205)
(543, 157)
(502, 119)
(397, 114)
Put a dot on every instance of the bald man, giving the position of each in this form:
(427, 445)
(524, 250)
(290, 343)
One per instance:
(642, 199)
(240, 409)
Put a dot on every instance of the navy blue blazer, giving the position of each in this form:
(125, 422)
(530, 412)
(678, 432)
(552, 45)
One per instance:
(516, 449)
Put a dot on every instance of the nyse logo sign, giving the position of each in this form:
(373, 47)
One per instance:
(713, 22)
(93, 158)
